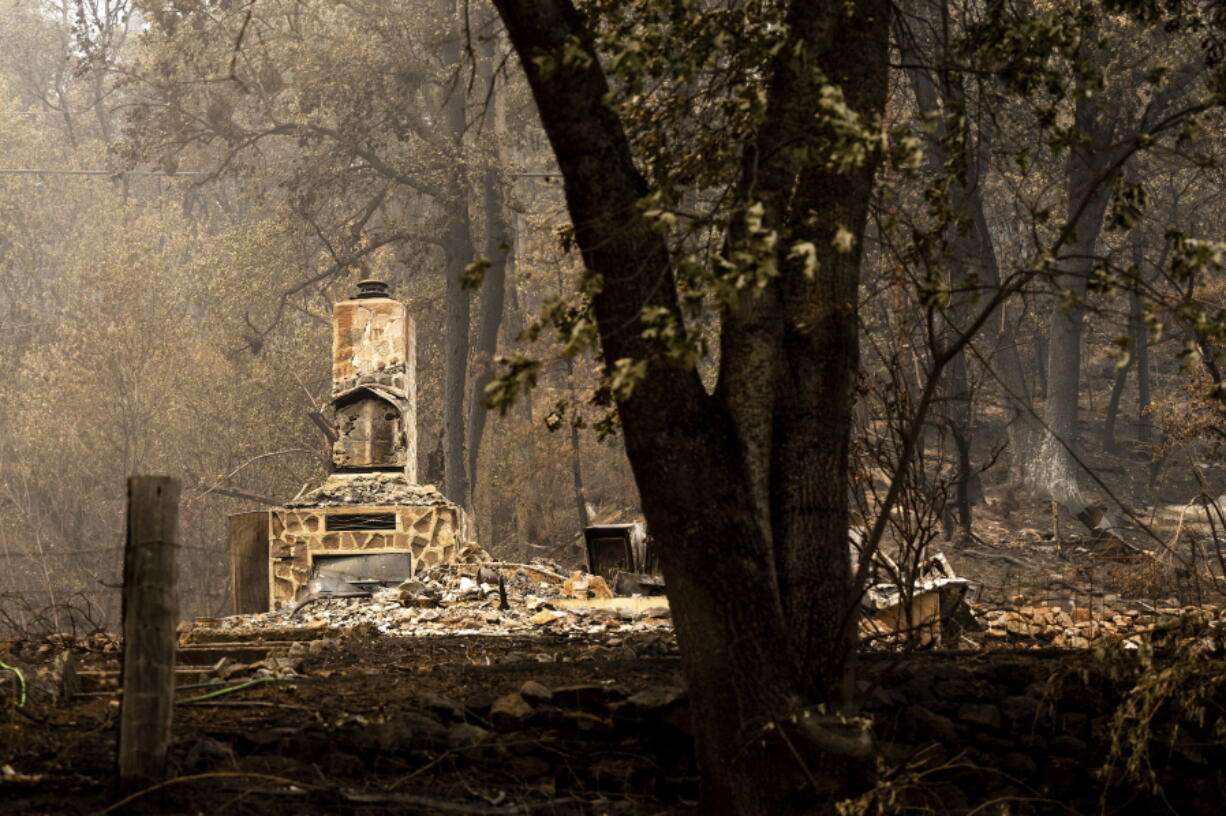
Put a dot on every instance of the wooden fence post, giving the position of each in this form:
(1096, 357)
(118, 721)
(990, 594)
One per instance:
(150, 621)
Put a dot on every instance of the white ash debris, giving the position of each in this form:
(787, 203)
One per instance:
(341, 489)
(439, 585)
(466, 599)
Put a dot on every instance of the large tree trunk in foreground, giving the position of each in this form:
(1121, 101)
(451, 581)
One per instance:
(746, 490)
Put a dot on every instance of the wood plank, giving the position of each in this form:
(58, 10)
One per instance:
(639, 605)
(102, 680)
(248, 537)
(238, 652)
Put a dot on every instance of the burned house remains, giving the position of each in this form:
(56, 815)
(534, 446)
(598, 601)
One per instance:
(370, 522)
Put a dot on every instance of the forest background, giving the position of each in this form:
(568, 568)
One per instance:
(187, 188)
(172, 241)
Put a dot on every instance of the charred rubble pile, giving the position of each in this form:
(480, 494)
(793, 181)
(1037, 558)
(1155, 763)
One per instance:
(489, 598)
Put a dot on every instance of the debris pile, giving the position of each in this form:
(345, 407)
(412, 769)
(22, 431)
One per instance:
(933, 609)
(487, 598)
(376, 488)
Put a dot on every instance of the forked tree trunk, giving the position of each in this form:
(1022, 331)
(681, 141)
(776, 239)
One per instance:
(746, 490)
(969, 251)
(1055, 467)
(1106, 141)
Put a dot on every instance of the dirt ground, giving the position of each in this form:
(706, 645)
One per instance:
(391, 724)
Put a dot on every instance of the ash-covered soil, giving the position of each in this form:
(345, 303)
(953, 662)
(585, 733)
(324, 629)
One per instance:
(393, 724)
(570, 723)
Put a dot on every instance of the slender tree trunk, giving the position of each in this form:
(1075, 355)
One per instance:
(493, 297)
(455, 476)
(1054, 466)
(1136, 338)
(498, 250)
(576, 459)
(98, 83)
(458, 254)
(1113, 404)
(1140, 348)
(65, 113)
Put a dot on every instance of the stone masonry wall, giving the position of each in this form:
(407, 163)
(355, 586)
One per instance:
(431, 534)
(1001, 733)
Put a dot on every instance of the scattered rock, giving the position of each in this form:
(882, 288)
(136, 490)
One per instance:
(1067, 745)
(535, 692)
(545, 617)
(405, 734)
(927, 725)
(582, 585)
(510, 711)
(443, 708)
(586, 696)
(982, 715)
(655, 698)
(206, 754)
(956, 689)
(470, 741)
(1019, 708)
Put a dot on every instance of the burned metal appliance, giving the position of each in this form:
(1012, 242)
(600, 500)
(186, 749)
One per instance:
(370, 522)
(624, 556)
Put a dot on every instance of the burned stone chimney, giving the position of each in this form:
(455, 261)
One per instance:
(369, 523)
(374, 384)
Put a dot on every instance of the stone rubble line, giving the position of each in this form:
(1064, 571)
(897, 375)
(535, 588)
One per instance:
(1081, 627)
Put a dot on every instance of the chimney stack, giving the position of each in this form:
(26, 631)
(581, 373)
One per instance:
(374, 383)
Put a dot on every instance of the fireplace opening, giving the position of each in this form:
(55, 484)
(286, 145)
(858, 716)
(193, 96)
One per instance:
(342, 522)
(376, 568)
